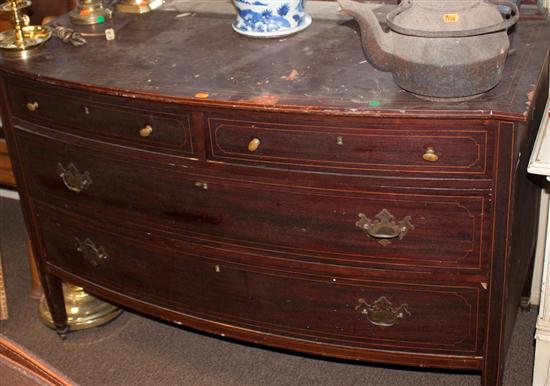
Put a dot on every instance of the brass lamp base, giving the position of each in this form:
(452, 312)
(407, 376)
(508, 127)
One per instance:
(83, 310)
(138, 6)
(25, 45)
(23, 40)
(89, 12)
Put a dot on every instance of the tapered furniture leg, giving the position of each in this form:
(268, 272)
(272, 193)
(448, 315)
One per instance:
(36, 289)
(53, 292)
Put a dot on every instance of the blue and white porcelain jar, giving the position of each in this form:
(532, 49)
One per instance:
(270, 18)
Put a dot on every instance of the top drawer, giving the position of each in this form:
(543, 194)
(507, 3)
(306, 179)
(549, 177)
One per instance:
(96, 117)
(437, 147)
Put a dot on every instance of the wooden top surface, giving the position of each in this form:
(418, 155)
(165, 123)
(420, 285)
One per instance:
(163, 55)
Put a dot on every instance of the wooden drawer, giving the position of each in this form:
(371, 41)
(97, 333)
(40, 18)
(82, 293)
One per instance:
(293, 304)
(439, 147)
(430, 230)
(103, 118)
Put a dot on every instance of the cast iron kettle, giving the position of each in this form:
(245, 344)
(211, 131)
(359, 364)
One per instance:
(438, 49)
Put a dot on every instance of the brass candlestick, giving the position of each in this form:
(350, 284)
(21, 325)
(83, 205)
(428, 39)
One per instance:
(89, 12)
(23, 39)
(83, 309)
(138, 6)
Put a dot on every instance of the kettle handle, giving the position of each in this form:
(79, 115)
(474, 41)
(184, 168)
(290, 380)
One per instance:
(503, 25)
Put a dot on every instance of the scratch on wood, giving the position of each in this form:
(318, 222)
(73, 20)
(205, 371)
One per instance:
(264, 99)
(293, 74)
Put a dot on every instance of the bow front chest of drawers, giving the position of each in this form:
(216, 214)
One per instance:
(281, 192)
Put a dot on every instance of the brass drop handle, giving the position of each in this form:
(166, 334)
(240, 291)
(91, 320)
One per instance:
(382, 313)
(73, 179)
(254, 144)
(95, 255)
(32, 106)
(430, 155)
(384, 227)
(146, 131)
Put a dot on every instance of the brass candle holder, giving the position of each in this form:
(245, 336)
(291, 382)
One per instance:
(83, 310)
(88, 12)
(23, 40)
(138, 6)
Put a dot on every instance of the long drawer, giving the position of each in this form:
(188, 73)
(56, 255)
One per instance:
(378, 314)
(101, 118)
(412, 146)
(360, 228)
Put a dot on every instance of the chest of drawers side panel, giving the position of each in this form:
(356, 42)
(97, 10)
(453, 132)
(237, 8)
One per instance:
(51, 284)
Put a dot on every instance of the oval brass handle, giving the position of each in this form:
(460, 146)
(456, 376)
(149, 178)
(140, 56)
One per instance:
(430, 155)
(32, 106)
(73, 179)
(146, 131)
(382, 312)
(94, 254)
(384, 226)
(254, 144)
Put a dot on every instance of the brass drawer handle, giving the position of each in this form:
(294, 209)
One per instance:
(94, 254)
(73, 179)
(32, 106)
(254, 144)
(381, 312)
(384, 226)
(430, 155)
(146, 131)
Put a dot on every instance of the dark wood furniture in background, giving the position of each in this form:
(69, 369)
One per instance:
(38, 11)
(224, 183)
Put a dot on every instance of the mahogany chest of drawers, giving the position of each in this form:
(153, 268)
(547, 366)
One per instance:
(188, 177)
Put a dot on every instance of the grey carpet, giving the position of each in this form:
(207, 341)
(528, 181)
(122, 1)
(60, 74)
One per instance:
(134, 350)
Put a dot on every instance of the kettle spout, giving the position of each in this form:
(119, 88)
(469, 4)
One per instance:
(376, 43)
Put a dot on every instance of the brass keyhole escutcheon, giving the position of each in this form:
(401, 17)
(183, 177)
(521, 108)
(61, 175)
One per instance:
(430, 155)
(146, 131)
(32, 106)
(254, 144)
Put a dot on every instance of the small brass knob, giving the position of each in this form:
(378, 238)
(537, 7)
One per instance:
(32, 106)
(429, 155)
(201, 185)
(254, 144)
(146, 131)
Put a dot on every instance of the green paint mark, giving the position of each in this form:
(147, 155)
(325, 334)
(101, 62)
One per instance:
(100, 19)
(374, 103)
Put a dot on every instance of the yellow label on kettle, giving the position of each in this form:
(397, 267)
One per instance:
(451, 18)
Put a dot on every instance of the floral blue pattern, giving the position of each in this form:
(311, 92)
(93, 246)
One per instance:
(270, 17)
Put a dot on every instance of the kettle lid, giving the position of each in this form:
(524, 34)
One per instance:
(449, 18)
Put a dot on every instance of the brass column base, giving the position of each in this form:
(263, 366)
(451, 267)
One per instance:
(83, 310)
(138, 6)
(89, 13)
